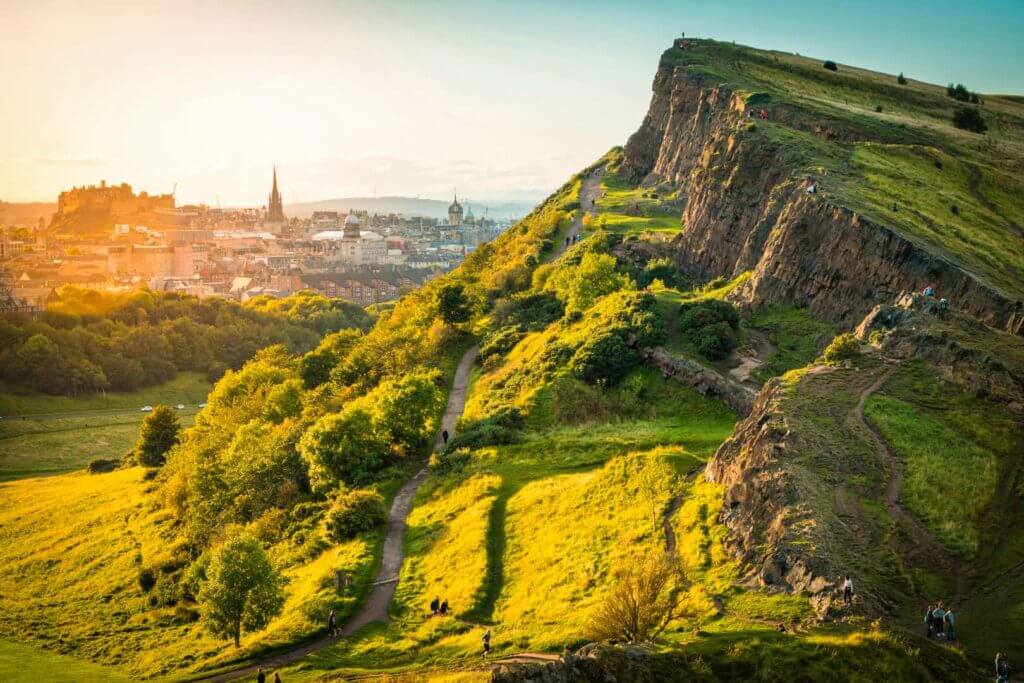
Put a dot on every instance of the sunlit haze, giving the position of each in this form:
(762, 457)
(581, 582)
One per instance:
(397, 98)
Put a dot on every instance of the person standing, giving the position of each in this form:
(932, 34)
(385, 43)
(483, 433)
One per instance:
(435, 606)
(277, 677)
(848, 591)
(487, 642)
(444, 436)
(928, 622)
(330, 624)
(1002, 669)
(444, 607)
(260, 676)
(950, 624)
(938, 621)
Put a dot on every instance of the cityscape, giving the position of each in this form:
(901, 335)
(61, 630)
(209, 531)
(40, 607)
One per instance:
(112, 238)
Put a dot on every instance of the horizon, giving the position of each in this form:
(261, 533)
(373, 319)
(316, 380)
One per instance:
(346, 108)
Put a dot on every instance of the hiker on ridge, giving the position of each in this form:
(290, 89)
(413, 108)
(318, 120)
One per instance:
(848, 591)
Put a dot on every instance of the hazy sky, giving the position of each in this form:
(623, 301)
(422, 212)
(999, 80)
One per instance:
(352, 97)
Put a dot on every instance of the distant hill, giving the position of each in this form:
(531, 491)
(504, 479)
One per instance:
(410, 206)
(24, 213)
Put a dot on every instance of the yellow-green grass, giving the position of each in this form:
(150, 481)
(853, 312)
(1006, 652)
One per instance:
(23, 663)
(948, 208)
(34, 446)
(797, 338)
(73, 547)
(189, 388)
(634, 225)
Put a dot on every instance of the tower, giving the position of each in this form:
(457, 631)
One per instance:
(455, 212)
(275, 209)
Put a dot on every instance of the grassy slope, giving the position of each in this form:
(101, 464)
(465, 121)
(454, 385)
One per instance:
(897, 160)
(23, 663)
(58, 434)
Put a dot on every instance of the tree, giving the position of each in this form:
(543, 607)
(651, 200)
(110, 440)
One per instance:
(969, 118)
(654, 482)
(452, 304)
(342, 447)
(242, 589)
(405, 410)
(645, 598)
(901, 79)
(582, 286)
(159, 433)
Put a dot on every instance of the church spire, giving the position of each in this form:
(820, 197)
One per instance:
(275, 208)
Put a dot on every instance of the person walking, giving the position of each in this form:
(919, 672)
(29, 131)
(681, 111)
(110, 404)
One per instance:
(260, 676)
(928, 622)
(938, 621)
(330, 624)
(487, 642)
(444, 436)
(277, 677)
(1002, 669)
(435, 606)
(950, 624)
(848, 591)
(444, 607)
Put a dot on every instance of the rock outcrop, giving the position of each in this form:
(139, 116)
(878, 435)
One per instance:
(746, 210)
(708, 382)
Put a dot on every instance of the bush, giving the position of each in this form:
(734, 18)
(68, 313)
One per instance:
(353, 512)
(969, 118)
(501, 342)
(498, 429)
(147, 579)
(961, 94)
(844, 347)
(604, 358)
(449, 461)
(878, 109)
(102, 465)
(901, 79)
(830, 65)
(712, 326)
(158, 434)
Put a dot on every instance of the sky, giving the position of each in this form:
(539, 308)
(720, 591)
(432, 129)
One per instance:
(503, 100)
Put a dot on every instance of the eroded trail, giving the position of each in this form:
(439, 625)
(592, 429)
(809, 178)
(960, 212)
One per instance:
(590, 192)
(375, 608)
(923, 540)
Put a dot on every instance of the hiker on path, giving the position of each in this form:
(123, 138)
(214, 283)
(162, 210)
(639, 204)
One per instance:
(1002, 669)
(928, 622)
(277, 677)
(260, 676)
(938, 615)
(435, 606)
(487, 642)
(444, 436)
(444, 607)
(330, 624)
(848, 591)
(950, 623)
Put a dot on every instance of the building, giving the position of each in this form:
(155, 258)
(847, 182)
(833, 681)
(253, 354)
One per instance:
(117, 200)
(275, 208)
(351, 245)
(455, 212)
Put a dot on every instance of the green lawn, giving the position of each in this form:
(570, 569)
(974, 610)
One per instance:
(24, 663)
(189, 388)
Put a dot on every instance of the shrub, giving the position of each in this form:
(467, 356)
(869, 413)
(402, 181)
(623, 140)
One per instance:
(449, 461)
(712, 326)
(531, 312)
(147, 579)
(969, 118)
(960, 93)
(955, 209)
(498, 429)
(830, 65)
(844, 347)
(901, 79)
(158, 434)
(501, 342)
(878, 109)
(353, 512)
(604, 358)
(102, 465)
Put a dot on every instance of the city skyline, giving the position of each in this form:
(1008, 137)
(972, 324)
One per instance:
(394, 98)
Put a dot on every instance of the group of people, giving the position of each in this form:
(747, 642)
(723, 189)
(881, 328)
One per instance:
(572, 239)
(261, 676)
(439, 607)
(940, 622)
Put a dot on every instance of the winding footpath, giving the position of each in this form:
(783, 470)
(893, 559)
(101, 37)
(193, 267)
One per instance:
(590, 192)
(375, 608)
(923, 539)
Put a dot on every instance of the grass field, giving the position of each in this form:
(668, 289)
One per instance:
(24, 663)
(49, 434)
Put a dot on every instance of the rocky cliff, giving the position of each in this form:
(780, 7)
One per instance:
(748, 208)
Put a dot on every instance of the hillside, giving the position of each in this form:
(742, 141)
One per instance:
(656, 374)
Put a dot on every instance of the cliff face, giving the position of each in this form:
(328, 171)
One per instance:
(747, 209)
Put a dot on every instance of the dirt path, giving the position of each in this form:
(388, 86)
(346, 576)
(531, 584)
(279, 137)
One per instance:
(376, 606)
(925, 542)
(590, 192)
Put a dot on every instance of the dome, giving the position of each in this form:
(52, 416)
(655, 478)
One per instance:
(469, 213)
(351, 219)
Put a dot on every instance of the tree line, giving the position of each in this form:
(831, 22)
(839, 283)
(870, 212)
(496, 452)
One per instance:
(88, 341)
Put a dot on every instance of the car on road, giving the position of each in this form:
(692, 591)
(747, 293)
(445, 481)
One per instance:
(146, 409)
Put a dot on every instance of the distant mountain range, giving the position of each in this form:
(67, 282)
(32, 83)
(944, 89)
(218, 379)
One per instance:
(410, 206)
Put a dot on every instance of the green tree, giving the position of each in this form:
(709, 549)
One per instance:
(242, 589)
(901, 79)
(405, 410)
(969, 118)
(159, 433)
(582, 286)
(452, 304)
(342, 447)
